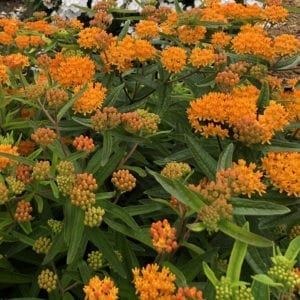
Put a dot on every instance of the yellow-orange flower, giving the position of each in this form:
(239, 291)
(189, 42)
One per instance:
(275, 13)
(144, 50)
(283, 171)
(242, 179)
(5, 39)
(87, 37)
(286, 44)
(163, 236)
(98, 289)
(16, 60)
(202, 57)
(22, 41)
(154, 284)
(72, 71)
(220, 39)
(41, 26)
(191, 35)
(147, 29)
(91, 99)
(3, 74)
(4, 161)
(173, 59)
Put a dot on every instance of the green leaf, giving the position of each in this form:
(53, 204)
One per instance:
(57, 247)
(193, 247)
(196, 227)
(225, 159)
(293, 249)
(264, 97)
(107, 148)
(253, 207)
(124, 30)
(266, 280)
(39, 203)
(206, 163)
(243, 235)
(26, 226)
(141, 172)
(177, 6)
(14, 278)
(70, 103)
(210, 274)
(19, 159)
(85, 271)
(287, 63)
(113, 95)
(260, 290)
(273, 221)
(99, 239)
(237, 257)
(256, 261)
(74, 216)
(179, 191)
(180, 278)
(23, 238)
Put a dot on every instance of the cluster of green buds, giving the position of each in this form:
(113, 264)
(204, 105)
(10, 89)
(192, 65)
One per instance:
(282, 272)
(41, 170)
(95, 260)
(55, 225)
(16, 186)
(65, 178)
(42, 245)
(93, 216)
(4, 193)
(175, 170)
(47, 280)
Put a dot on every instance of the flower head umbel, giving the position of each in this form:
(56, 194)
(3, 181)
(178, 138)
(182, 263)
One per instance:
(154, 284)
(175, 170)
(163, 236)
(43, 136)
(83, 143)
(100, 289)
(283, 171)
(47, 280)
(123, 180)
(173, 59)
(23, 211)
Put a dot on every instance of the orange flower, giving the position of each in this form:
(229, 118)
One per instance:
(286, 44)
(173, 59)
(147, 29)
(72, 71)
(191, 35)
(144, 50)
(43, 136)
(163, 236)
(26, 147)
(4, 161)
(41, 26)
(201, 57)
(16, 60)
(87, 38)
(22, 41)
(283, 170)
(220, 39)
(187, 293)
(153, 284)
(169, 25)
(91, 99)
(5, 39)
(83, 143)
(3, 74)
(98, 289)
(275, 13)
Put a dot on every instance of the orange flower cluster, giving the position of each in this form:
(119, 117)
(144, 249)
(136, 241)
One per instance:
(100, 289)
(286, 44)
(152, 284)
(25, 41)
(163, 236)
(24, 173)
(16, 61)
(187, 293)
(123, 180)
(191, 35)
(147, 29)
(43, 136)
(56, 97)
(87, 37)
(91, 99)
(173, 59)
(202, 57)
(220, 39)
(3, 74)
(72, 71)
(41, 26)
(105, 119)
(23, 211)
(101, 20)
(242, 179)
(283, 171)
(121, 54)
(4, 161)
(83, 143)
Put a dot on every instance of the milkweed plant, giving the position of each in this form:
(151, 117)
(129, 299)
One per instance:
(159, 162)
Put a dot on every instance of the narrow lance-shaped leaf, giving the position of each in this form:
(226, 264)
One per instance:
(209, 273)
(107, 147)
(264, 97)
(243, 235)
(179, 191)
(237, 257)
(225, 159)
(260, 290)
(206, 163)
(293, 249)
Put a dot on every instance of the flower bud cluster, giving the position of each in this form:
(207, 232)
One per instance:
(65, 183)
(282, 272)
(16, 186)
(83, 143)
(4, 193)
(187, 293)
(227, 80)
(259, 71)
(243, 293)
(41, 170)
(82, 193)
(47, 280)
(175, 170)
(220, 59)
(42, 245)
(241, 67)
(123, 180)
(248, 131)
(105, 119)
(55, 225)
(43, 136)
(65, 168)
(150, 122)
(56, 97)
(224, 290)
(35, 91)
(163, 236)
(95, 260)
(23, 211)
(132, 122)
(294, 232)
(24, 173)
(93, 216)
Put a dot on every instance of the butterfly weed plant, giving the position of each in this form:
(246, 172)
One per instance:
(159, 163)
